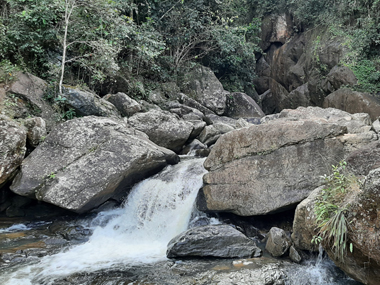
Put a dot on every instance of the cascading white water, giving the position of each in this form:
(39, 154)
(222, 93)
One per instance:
(157, 209)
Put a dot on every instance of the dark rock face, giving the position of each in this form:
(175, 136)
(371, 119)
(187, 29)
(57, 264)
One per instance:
(353, 102)
(125, 104)
(338, 76)
(12, 147)
(274, 29)
(307, 58)
(212, 241)
(163, 128)
(278, 242)
(88, 104)
(83, 162)
(240, 105)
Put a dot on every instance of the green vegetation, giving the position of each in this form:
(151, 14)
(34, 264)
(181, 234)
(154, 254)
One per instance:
(144, 42)
(332, 224)
(94, 42)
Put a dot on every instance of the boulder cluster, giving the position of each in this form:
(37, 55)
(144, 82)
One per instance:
(262, 158)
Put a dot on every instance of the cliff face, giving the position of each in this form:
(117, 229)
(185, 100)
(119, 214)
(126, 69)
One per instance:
(301, 69)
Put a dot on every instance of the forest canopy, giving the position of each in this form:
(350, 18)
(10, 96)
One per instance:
(159, 40)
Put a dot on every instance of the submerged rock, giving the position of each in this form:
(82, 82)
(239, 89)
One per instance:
(212, 241)
(85, 161)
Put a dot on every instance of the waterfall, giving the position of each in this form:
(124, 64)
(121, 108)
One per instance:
(157, 209)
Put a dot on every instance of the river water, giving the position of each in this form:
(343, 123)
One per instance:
(128, 245)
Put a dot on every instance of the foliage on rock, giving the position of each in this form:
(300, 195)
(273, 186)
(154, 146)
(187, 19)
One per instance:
(331, 211)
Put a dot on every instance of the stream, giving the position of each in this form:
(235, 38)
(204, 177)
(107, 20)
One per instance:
(127, 245)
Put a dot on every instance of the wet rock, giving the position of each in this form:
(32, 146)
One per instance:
(12, 147)
(353, 102)
(202, 84)
(36, 130)
(125, 104)
(278, 242)
(294, 255)
(212, 241)
(14, 211)
(87, 104)
(267, 168)
(240, 105)
(85, 161)
(163, 128)
(273, 275)
(70, 232)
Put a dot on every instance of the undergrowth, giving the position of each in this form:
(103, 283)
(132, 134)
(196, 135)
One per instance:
(331, 211)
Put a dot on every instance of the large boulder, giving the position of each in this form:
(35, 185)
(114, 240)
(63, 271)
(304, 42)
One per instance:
(212, 241)
(278, 242)
(240, 105)
(268, 168)
(12, 147)
(163, 128)
(202, 84)
(353, 102)
(125, 104)
(88, 104)
(85, 161)
(33, 89)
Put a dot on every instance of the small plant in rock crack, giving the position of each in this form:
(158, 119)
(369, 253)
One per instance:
(332, 224)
